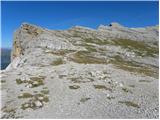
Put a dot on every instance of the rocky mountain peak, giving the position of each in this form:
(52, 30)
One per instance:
(111, 25)
(31, 29)
(115, 25)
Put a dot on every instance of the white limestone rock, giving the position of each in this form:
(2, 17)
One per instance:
(96, 61)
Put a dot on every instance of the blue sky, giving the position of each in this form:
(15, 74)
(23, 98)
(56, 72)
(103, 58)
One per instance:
(63, 15)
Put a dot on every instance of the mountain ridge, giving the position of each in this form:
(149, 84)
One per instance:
(82, 73)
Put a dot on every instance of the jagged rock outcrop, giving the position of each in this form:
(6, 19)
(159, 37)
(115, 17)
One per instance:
(109, 72)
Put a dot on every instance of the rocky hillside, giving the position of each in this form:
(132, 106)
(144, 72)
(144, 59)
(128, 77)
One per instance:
(109, 72)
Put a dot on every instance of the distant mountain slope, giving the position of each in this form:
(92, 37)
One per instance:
(5, 57)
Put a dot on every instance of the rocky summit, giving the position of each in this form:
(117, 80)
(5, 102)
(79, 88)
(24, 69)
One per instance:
(108, 72)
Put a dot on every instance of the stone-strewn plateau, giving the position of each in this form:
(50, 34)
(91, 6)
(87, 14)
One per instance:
(109, 72)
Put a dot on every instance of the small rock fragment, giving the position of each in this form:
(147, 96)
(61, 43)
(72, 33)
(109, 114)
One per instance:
(38, 104)
(29, 85)
(40, 98)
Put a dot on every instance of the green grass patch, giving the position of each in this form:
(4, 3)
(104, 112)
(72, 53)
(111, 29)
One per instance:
(85, 57)
(81, 80)
(25, 95)
(74, 87)
(59, 61)
(133, 86)
(126, 90)
(110, 98)
(62, 76)
(129, 103)
(19, 81)
(3, 81)
(35, 91)
(133, 67)
(103, 87)
(139, 47)
(61, 52)
(147, 81)
(27, 105)
(76, 34)
(9, 113)
(84, 99)
(91, 48)
(75, 79)
(45, 88)
(97, 41)
(46, 99)
(36, 81)
(45, 91)
(31, 103)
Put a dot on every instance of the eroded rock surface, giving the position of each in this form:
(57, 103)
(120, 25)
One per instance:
(109, 72)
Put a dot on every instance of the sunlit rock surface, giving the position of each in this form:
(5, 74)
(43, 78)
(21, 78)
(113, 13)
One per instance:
(109, 72)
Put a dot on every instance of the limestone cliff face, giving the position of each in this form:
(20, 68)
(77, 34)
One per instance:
(108, 72)
(23, 35)
(17, 48)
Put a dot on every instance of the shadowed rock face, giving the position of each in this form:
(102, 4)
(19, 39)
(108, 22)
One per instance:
(5, 57)
(82, 73)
